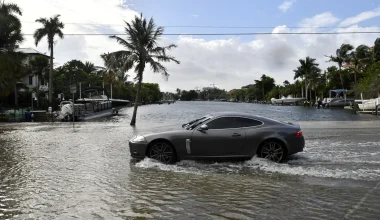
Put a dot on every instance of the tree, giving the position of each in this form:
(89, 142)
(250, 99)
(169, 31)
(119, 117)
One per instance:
(376, 49)
(341, 57)
(12, 70)
(39, 67)
(10, 26)
(11, 67)
(178, 92)
(360, 58)
(51, 27)
(306, 70)
(142, 48)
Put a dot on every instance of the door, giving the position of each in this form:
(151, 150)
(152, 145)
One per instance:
(224, 137)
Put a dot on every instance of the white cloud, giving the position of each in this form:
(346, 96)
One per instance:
(195, 15)
(360, 17)
(319, 20)
(228, 62)
(76, 21)
(286, 5)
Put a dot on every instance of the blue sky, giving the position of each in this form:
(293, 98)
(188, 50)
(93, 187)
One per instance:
(245, 13)
(228, 61)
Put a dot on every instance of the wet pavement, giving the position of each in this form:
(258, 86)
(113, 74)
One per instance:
(50, 171)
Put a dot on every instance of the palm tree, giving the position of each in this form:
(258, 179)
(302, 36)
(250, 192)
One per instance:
(89, 68)
(341, 57)
(51, 27)
(359, 58)
(141, 49)
(10, 26)
(306, 71)
(39, 66)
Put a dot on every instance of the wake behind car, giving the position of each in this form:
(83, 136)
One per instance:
(222, 135)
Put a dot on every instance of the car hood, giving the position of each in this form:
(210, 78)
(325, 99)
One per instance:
(167, 134)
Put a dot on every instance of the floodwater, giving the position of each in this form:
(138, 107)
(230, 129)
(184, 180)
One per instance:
(50, 171)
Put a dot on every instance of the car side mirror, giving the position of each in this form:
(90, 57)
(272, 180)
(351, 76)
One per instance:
(203, 128)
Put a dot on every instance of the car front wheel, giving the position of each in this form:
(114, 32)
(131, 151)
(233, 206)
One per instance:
(163, 152)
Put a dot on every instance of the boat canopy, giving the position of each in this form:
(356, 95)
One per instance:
(339, 90)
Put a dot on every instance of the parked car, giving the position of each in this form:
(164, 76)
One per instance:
(222, 135)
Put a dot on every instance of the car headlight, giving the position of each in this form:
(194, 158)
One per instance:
(139, 139)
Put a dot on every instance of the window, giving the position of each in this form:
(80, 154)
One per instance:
(30, 80)
(247, 122)
(223, 123)
(232, 122)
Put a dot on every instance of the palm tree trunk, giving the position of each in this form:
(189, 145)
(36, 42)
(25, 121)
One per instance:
(306, 89)
(51, 75)
(133, 121)
(340, 75)
(37, 90)
(315, 94)
(15, 91)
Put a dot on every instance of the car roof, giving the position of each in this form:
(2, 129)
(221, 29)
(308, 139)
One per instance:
(238, 114)
(245, 115)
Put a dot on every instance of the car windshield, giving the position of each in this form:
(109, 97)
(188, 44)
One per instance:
(193, 124)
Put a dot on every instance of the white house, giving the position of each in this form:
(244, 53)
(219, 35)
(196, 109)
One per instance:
(31, 80)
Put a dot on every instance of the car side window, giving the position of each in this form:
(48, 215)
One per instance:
(247, 122)
(224, 123)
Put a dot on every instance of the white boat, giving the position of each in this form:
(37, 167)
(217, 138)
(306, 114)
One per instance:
(288, 101)
(340, 99)
(94, 106)
(368, 105)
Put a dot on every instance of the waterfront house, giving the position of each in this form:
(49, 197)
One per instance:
(30, 80)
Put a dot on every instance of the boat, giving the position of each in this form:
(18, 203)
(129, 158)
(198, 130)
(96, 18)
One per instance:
(368, 105)
(95, 105)
(289, 100)
(338, 100)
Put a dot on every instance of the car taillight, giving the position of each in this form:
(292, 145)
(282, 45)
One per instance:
(299, 134)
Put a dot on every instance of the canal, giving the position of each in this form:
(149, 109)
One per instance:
(50, 171)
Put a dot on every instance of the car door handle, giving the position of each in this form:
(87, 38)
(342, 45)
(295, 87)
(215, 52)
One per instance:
(236, 135)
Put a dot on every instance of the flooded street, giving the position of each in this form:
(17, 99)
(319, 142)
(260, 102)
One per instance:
(50, 171)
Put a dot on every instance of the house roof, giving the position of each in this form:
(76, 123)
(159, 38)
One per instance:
(30, 51)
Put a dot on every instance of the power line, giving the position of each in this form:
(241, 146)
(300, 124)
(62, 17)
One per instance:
(235, 34)
(218, 27)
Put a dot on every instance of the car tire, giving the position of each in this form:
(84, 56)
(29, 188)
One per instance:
(162, 151)
(272, 150)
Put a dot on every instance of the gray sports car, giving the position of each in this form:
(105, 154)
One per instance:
(222, 135)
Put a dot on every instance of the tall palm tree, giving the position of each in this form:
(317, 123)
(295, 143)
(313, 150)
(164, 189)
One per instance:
(142, 48)
(10, 26)
(306, 70)
(341, 57)
(39, 67)
(51, 27)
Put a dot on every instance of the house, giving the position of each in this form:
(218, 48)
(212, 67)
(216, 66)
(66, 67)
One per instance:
(30, 80)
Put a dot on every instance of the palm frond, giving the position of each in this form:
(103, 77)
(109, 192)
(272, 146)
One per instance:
(39, 34)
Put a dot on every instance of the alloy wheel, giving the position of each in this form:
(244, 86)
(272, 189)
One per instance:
(162, 152)
(272, 151)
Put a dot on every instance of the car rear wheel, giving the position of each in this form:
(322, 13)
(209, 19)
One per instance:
(163, 152)
(273, 151)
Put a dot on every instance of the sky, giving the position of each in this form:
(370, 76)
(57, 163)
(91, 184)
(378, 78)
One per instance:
(226, 61)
